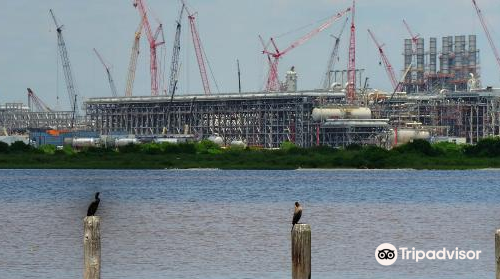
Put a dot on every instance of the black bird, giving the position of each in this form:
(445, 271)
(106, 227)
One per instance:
(93, 206)
(296, 214)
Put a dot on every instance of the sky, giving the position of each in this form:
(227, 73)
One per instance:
(229, 31)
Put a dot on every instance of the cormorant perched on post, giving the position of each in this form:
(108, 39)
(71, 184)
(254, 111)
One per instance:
(93, 206)
(296, 214)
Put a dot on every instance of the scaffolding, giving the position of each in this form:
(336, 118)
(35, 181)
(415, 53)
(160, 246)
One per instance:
(260, 119)
(458, 60)
(471, 115)
(17, 117)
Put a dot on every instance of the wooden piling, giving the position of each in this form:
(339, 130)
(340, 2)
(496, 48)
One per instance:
(301, 251)
(497, 254)
(92, 247)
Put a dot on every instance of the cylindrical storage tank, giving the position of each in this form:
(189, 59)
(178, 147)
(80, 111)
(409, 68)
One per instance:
(319, 114)
(68, 141)
(216, 139)
(85, 142)
(433, 56)
(472, 52)
(168, 140)
(445, 56)
(238, 143)
(405, 135)
(420, 54)
(125, 142)
(358, 113)
(408, 54)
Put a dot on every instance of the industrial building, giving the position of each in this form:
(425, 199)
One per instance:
(458, 63)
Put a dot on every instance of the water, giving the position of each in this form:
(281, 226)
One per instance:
(236, 224)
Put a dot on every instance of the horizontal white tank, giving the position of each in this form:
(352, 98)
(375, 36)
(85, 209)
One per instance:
(319, 114)
(169, 140)
(216, 139)
(238, 143)
(85, 142)
(406, 135)
(125, 142)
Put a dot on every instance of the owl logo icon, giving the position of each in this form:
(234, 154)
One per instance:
(386, 254)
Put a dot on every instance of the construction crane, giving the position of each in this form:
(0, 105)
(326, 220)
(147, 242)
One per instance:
(351, 65)
(414, 38)
(34, 102)
(198, 48)
(68, 75)
(273, 79)
(133, 60)
(487, 31)
(174, 67)
(154, 42)
(108, 73)
(333, 58)
(387, 64)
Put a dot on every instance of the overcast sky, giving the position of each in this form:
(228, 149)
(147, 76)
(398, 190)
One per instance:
(229, 30)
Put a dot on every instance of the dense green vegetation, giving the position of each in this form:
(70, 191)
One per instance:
(418, 155)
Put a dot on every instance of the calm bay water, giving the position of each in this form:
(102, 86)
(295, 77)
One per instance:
(236, 224)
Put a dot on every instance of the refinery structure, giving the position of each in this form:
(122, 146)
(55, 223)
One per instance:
(438, 97)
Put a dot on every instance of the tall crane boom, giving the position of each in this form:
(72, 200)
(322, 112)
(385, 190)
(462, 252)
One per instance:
(333, 57)
(133, 60)
(174, 67)
(273, 80)
(387, 64)
(34, 100)
(68, 74)
(153, 44)
(108, 73)
(351, 66)
(198, 48)
(414, 38)
(487, 31)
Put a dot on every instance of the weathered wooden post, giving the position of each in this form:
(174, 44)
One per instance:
(92, 247)
(301, 251)
(497, 253)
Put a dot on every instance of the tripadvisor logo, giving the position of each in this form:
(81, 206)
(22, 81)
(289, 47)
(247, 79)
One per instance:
(386, 254)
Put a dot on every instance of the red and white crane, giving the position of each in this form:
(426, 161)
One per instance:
(414, 38)
(273, 79)
(198, 48)
(154, 42)
(108, 73)
(351, 65)
(487, 31)
(387, 64)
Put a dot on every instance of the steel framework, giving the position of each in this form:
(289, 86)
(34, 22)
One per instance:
(263, 120)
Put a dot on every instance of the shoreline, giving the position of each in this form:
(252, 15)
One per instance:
(206, 156)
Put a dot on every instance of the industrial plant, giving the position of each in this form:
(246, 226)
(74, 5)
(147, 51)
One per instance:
(439, 97)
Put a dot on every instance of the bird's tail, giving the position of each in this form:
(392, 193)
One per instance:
(293, 225)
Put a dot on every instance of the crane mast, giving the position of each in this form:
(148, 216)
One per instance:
(333, 58)
(153, 44)
(198, 48)
(108, 73)
(351, 67)
(487, 31)
(133, 60)
(34, 100)
(388, 67)
(68, 74)
(273, 79)
(174, 67)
